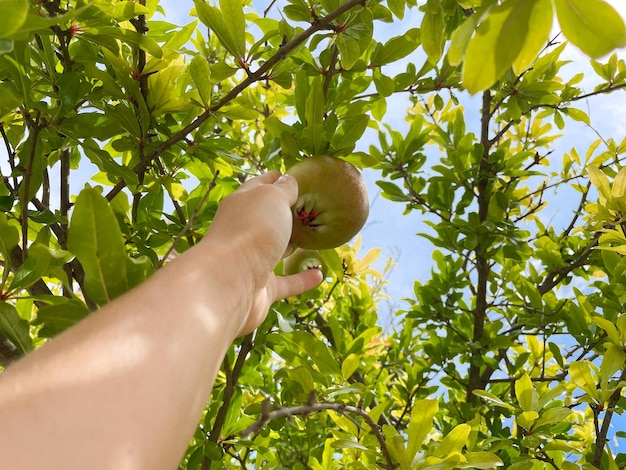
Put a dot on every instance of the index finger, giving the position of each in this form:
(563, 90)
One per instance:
(266, 178)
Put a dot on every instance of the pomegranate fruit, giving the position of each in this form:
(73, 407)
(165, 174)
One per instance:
(302, 259)
(332, 203)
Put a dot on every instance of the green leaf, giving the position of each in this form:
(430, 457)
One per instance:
(397, 7)
(56, 318)
(493, 399)
(527, 419)
(213, 18)
(213, 451)
(103, 160)
(232, 11)
(316, 350)
(385, 86)
(497, 43)
(33, 268)
(344, 423)
(350, 131)
(297, 12)
(594, 26)
(392, 192)
(349, 50)
(9, 101)
(313, 133)
(432, 30)
(201, 75)
(315, 104)
(128, 36)
(96, 240)
(15, 328)
(395, 48)
(348, 444)
(138, 270)
(69, 91)
(14, 14)
(556, 352)
(9, 238)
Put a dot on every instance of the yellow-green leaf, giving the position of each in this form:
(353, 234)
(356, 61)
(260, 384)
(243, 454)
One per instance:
(600, 181)
(608, 327)
(527, 419)
(126, 10)
(582, 375)
(619, 183)
(538, 32)
(14, 13)
(454, 441)
(613, 360)
(525, 393)
(214, 19)
(482, 460)
(395, 445)
(594, 26)
(421, 424)
(232, 11)
(349, 365)
(498, 41)
(460, 39)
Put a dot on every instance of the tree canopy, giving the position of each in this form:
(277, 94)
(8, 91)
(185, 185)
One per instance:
(123, 131)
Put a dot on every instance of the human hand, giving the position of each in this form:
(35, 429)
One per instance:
(255, 222)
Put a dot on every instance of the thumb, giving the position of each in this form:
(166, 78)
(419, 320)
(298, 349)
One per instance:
(288, 184)
(296, 284)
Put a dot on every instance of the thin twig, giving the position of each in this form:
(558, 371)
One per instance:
(191, 220)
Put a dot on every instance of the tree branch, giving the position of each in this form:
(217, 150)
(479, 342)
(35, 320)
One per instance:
(314, 407)
(555, 277)
(231, 382)
(602, 437)
(482, 261)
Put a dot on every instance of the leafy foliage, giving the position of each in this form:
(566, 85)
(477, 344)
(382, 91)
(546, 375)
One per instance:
(124, 131)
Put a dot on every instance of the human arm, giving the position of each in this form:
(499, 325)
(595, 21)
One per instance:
(125, 388)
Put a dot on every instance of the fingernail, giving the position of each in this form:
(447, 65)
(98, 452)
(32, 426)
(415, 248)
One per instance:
(284, 179)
